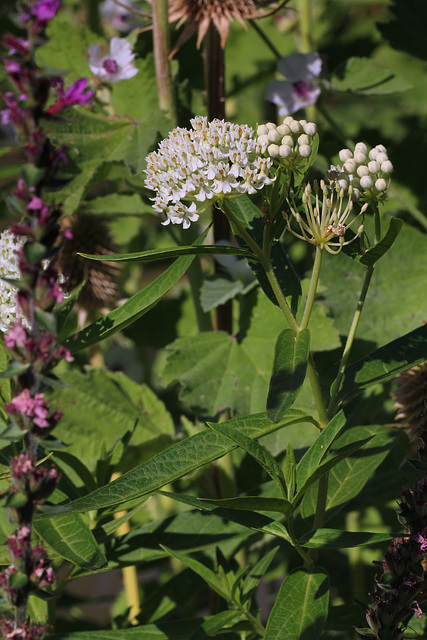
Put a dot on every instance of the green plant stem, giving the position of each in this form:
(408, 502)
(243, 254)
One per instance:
(313, 288)
(377, 220)
(265, 39)
(317, 393)
(161, 46)
(256, 625)
(308, 561)
(349, 343)
(305, 25)
(319, 516)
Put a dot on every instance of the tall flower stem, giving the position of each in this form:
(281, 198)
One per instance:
(305, 25)
(161, 45)
(215, 96)
(333, 404)
(313, 288)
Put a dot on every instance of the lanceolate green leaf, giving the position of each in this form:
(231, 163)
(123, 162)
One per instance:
(372, 256)
(301, 608)
(173, 252)
(133, 308)
(203, 571)
(335, 539)
(255, 503)
(256, 574)
(72, 539)
(175, 462)
(385, 363)
(289, 368)
(256, 450)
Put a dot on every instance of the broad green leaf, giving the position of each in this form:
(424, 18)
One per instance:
(173, 252)
(99, 407)
(289, 368)
(254, 503)
(203, 571)
(175, 462)
(395, 304)
(335, 539)
(215, 624)
(250, 216)
(405, 31)
(133, 308)
(72, 539)
(360, 76)
(301, 608)
(176, 630)
(116, 205)
(385, 363)
(256, 573)
(256, 450)
(320, 447)
(348, 478)
(216, 290)
(372, 256)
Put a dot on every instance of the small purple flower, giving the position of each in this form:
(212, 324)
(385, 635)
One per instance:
(45, 10)
(76, 94)
(117, 15)
(300, 90)
(117, 65)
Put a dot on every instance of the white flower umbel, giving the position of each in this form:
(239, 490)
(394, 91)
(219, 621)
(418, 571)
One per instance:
(9, 268)
(369, 172)
(327, 209)
(205, 164)
(116, 65)
(290, 143)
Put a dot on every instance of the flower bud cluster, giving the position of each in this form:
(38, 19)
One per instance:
(289, 143)
(367, 171)
(9, 272)
(211, 161)
(327, 208)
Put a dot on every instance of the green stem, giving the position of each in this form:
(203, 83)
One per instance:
(317, 393)
(350, 339)
(265, 39)
(319, 517)
(305, 25)
(377, 220)
(161, 46)
(257, 626)
(313, 288)
(308, 562)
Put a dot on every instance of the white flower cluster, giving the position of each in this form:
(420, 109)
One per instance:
(9, 268)
(367, 172)
(206, 163)
(290, 143)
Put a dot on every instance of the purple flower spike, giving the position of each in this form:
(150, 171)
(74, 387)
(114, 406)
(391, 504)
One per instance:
(76, 94)
(300, 90)
(45, 10)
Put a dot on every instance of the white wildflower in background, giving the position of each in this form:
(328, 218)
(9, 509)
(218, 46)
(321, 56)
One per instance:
(116, 65)
(289, 143)
(207, 163)
(9, 268)
(116, 14)
(367, 171)
(300, 89)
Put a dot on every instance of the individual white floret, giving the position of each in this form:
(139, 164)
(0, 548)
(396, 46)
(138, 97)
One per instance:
(303, 139)
(359, 156)
(374, 166)
(288, 140)
(305, 150)
(285, 151)
(262, 130)
(361, 146)
(350, 165)
(362, 171)
(283, 129)
(310, 129)
(345, 154)
(366, 182)
(387, 167)
(381, 184)
(274, 136)
(273, 150)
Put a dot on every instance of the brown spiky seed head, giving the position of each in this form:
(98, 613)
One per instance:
(411, 399)
(88, 234)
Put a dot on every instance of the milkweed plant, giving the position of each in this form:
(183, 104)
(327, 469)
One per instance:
(213, 354)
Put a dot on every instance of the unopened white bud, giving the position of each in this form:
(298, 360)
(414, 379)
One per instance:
(387, 167)
(381, 148)
(366, 182)
(381, 184)
(273, 150)
(303, 139)
(359, 156)
(288, 140)
(263, 139)
(355, 195)
(270, 126)
(295, 126)
(373, 153)
(262, 130)
(283, 129)
(305, 150)
(288, 120)
(350, 166)
(345, 154)
(274, 136)
(285, 151)
(381, 157)
(343, 183)
(374, 166)
(310, 129)
(362, 170)
(361, 146)
(308, 188)
(360, 229)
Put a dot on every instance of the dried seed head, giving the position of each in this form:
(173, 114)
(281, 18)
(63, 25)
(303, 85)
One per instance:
(89, 234)
(411, 400)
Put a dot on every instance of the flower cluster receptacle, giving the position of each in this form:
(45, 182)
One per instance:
(197, 167)
(290, 143)
(116, 65)
(369, 172)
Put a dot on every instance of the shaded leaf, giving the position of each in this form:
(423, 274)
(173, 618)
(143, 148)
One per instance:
(335, 539)
(362, 77)
(173, 252)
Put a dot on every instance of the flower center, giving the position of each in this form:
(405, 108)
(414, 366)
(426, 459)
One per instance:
(110, 66)
(300, 89)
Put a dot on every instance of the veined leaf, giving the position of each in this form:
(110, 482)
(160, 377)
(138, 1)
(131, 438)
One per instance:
(133, 308)
(203, 571)
(289, 368)
(172, 252)
(301, 608)
(256, 574)
(335, 539)
(372, 256)
(175, 462)
(254, 503)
